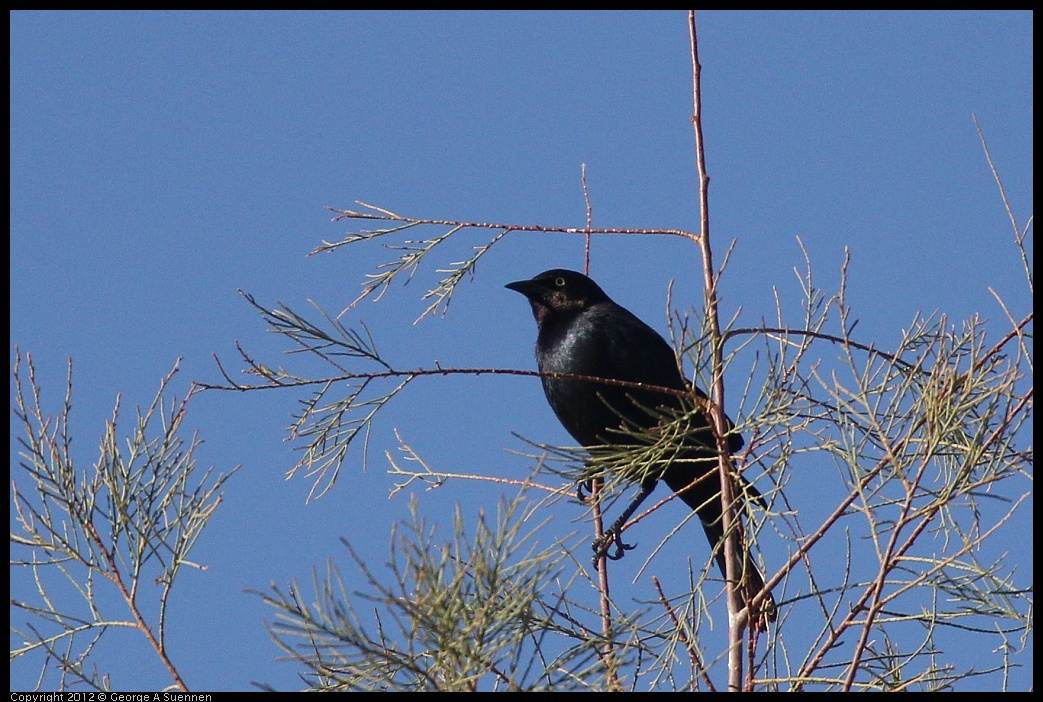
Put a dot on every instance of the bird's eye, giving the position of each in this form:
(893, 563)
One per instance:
(560, 282)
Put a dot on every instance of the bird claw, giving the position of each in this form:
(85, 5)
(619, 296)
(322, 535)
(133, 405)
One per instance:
(602, 545)
(585, 485)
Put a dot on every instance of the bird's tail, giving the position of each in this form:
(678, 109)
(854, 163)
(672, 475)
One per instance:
(703, 496)
(752, 580)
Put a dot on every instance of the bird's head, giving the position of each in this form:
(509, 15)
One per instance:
(559, 292)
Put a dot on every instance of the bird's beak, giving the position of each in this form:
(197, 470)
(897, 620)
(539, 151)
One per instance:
(528, 288)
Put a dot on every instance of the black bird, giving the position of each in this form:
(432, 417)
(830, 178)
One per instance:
(583, 332)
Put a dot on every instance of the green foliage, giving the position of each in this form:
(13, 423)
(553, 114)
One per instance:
(471, 613)
(131, 518)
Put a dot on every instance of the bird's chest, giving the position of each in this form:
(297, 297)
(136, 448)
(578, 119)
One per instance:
(583, 406)
(576, 349)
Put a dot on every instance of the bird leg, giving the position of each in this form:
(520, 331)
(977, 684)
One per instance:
(614, 534)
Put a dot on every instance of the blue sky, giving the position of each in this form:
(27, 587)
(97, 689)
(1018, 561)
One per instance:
(162, 160)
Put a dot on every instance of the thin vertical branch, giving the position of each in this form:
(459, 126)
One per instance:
(736, 626)
(604, 602)
(590, 219)
(1019, 236)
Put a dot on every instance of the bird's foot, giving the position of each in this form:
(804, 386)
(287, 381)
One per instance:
(602, 545)
(582, 496)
